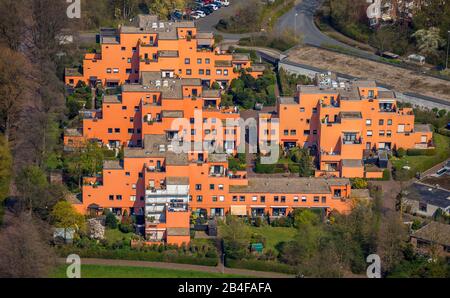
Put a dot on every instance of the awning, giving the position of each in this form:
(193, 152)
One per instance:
(258, 206)
(239, 210)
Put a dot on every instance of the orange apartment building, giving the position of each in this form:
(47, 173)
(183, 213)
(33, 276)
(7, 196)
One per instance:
(165, 102)
(176, 49)
(346, 122)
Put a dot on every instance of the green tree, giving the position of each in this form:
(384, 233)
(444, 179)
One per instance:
(65, 216)
(236, 237)
(111, 220)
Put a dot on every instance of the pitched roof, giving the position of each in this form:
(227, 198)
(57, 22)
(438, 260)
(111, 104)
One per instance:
(429, 194)
(434, 232)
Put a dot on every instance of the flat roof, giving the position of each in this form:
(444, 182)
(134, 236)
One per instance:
(112, 165)
(290, 185)
(177, 180)
(352, 163)
(422, 128)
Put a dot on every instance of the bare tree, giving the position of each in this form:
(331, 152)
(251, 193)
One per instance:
(24, 251)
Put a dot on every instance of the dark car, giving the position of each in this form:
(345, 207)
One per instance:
(207, 10)
(175, 16)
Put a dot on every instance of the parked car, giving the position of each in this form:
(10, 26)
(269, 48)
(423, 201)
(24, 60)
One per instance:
(207, 10)
(217, 3)
(201, 13)
(213, 6)
(224, 2)
(195, 15)
(176, 15)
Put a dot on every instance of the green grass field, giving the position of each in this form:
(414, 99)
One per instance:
(97, 271)
(116, 235)
(423, 162)
(274, 235)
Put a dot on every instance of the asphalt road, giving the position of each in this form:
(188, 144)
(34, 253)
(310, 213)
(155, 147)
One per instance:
(300, 19)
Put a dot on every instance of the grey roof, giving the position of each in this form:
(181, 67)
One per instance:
(168, 53)
(386, 94)
(151, 81)
(350, 115)
(241, 57)
(178, 232)
(422, 128)
(352, 163)
(429, 194)
(211, 93)
(217, 157)
(153, 145)
(289, 185)
(434, 232)
(73, 132)
(151, 24)
(177, 180)
(172, 114)
(116, 98)
(287, 100)
(112, 165)
(72, 72)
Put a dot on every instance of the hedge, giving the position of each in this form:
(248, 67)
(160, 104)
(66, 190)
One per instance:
(417, 152)
(127, 254)
(444, 131)
(257, 265)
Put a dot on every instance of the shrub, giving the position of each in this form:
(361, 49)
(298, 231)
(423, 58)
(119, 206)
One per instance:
(261, 266)
(386, 175)
(417, 152)
(359, 183)
(400, 152)
(126, 228)
(111, 221)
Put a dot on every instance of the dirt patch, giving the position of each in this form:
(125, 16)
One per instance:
(400, 79)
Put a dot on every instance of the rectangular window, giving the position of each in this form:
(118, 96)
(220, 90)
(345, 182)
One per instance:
(389, 133)
(198, 187)
(381, 133)
(324, 200)
(303, 199)
(381, 122)
(369, 122)
(208, 72)
(306, 132)
(199, 61)
(211, 186)
(119, 198)
(389, 122)
(241, 198)
(133, 198)
(369, 133)
(225, 72)
(187, 61)
(235, 198)
(199, 198)
(189, 72)
(263, 199)
(111, 197)
(207, 61)
(283, 199)
(296, 199)
(214, 198)
(254, 198)
(316, 199)
(276, 198)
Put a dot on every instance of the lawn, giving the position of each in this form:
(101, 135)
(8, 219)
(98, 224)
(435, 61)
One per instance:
(274, 235)
(114, 235)
(97, 271)
(422, 163)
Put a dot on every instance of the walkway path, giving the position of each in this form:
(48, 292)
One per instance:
(176, 266)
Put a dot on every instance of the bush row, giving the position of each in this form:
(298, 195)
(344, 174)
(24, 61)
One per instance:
(170, 256)
(417, 152)
(257, 265)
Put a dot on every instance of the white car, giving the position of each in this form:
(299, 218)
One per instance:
(200, 13)
(213, 6)
(224, 2)
(195, 16)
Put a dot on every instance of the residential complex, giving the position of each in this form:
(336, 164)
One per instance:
(166, 117)
(348, 124)
(175, 49)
